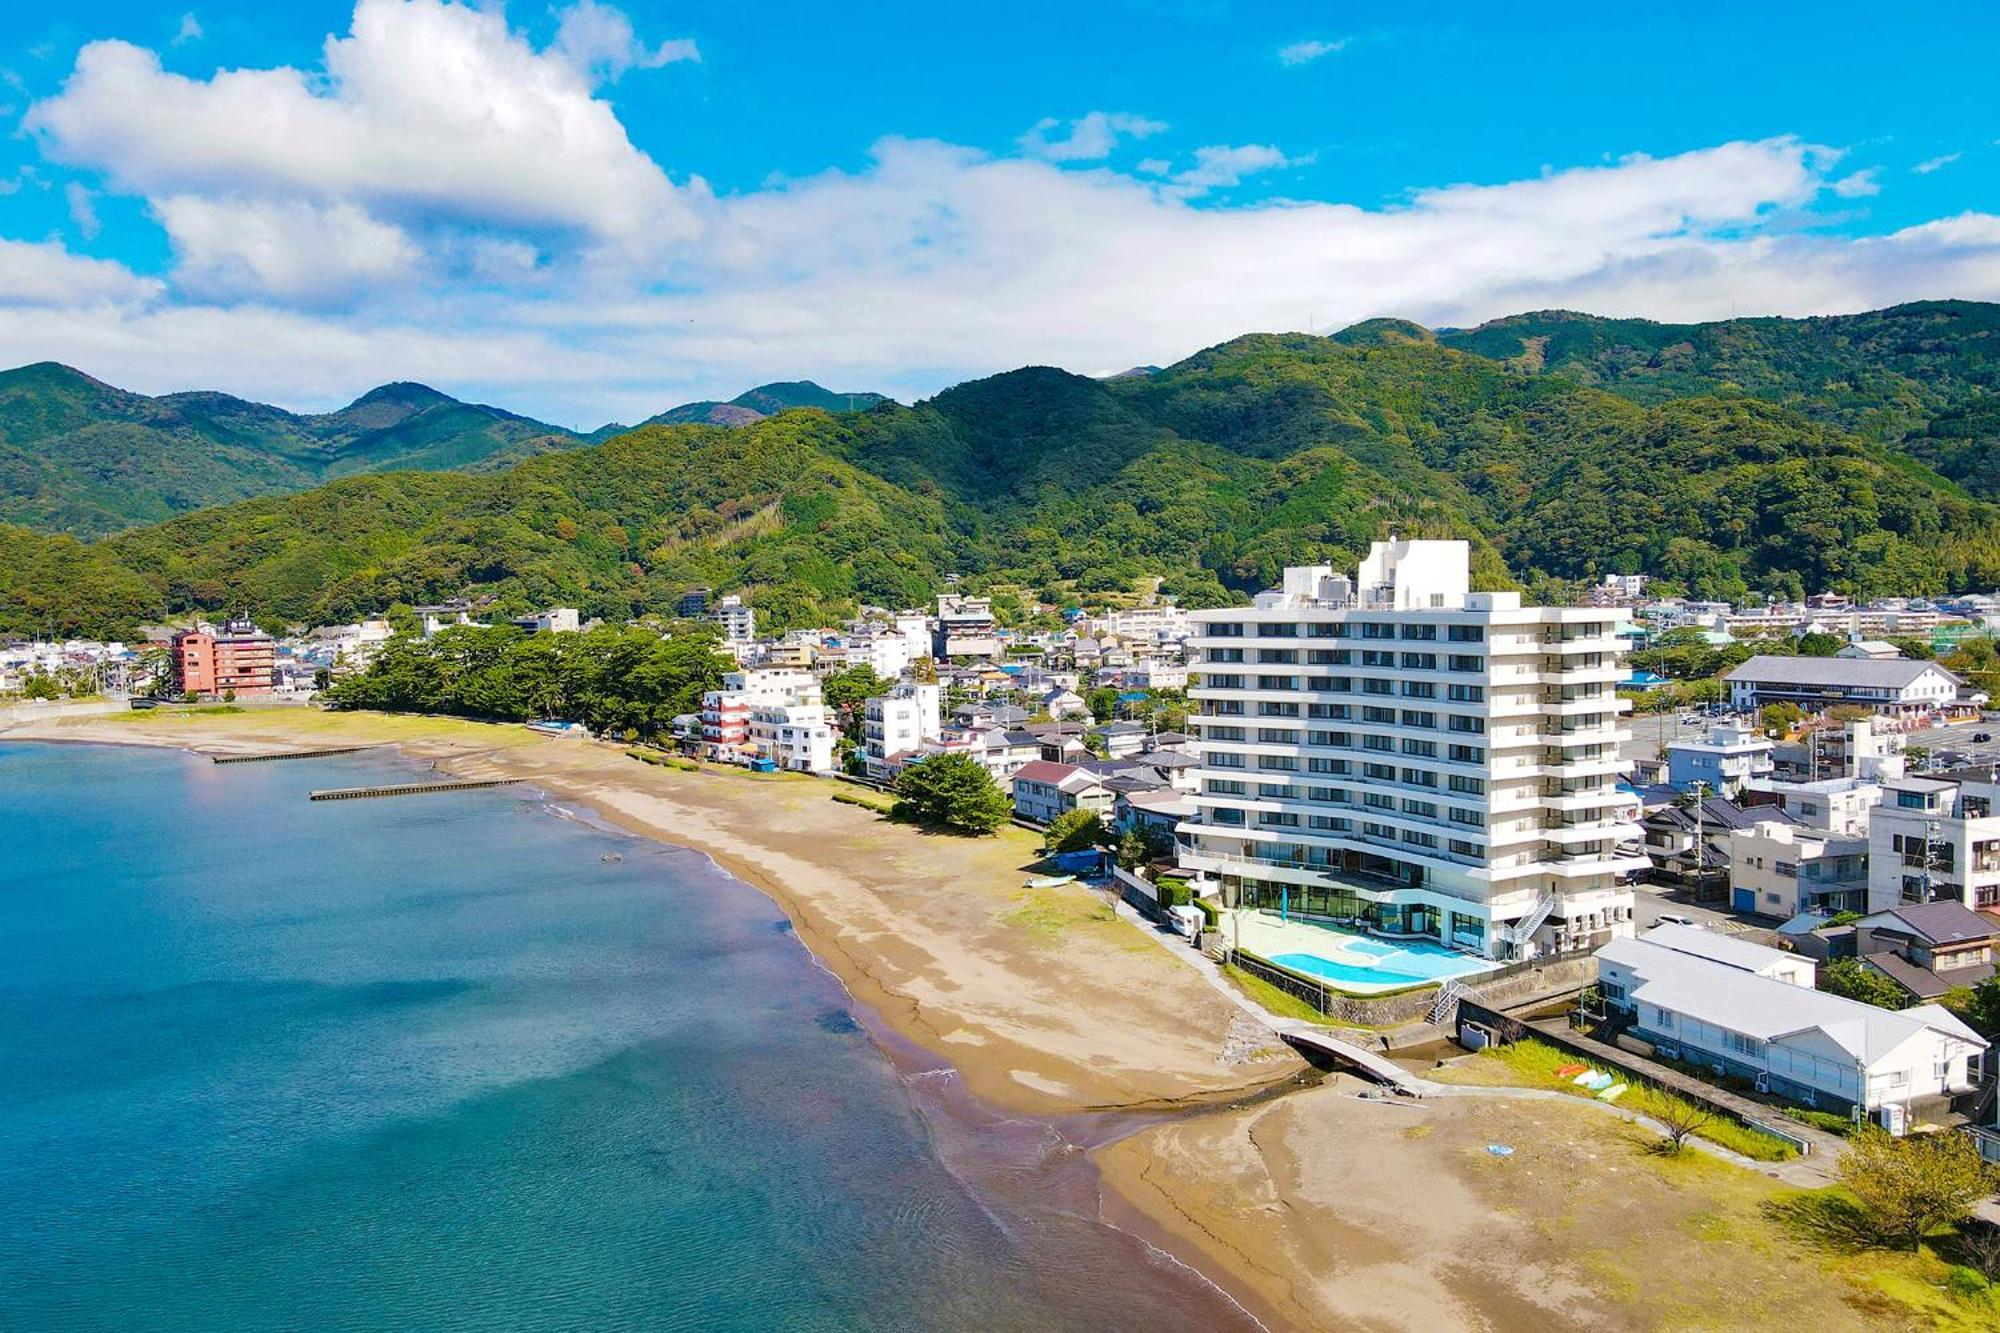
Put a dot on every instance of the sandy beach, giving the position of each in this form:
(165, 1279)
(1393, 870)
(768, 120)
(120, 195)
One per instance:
(1316, 1208)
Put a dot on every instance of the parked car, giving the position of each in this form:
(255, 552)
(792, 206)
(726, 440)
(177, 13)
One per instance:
(1981, 737)
(1950, 758)
(1675, 919)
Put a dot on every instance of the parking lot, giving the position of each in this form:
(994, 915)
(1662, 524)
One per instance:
(1958, 740)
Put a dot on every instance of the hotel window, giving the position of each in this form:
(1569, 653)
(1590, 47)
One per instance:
(1467, 754)
(1413, 718)
(1472, 724)
(1467, 634)
(1465, 662)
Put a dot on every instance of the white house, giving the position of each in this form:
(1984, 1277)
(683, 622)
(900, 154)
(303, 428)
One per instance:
(1798, 1042)
(1723, 760)
(1780, 870)
(1931, 839)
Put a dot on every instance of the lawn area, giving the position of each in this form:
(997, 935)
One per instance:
(1533, 1064)
(1280, 1002)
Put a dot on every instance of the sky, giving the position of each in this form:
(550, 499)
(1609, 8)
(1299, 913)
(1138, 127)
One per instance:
(587, 213)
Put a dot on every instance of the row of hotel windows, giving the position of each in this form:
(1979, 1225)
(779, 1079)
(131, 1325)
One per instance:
(1414, 809)
(1459, 784)
(1384, 833)
(1346, 629)
(1368, 657)
(1384, 717)
(1284, 763)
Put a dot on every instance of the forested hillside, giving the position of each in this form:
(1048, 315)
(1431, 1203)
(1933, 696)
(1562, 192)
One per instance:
(1921, 377)
(77, 455)
(1211, 474)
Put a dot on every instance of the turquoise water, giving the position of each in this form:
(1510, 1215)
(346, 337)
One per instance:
(459, 1063)
(1402, 964)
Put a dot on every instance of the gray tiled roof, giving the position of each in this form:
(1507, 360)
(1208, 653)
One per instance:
(1891, 673)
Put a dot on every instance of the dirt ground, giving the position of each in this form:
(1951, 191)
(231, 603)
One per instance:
(1393, 1214)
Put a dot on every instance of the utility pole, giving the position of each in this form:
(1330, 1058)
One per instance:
(1699, 788)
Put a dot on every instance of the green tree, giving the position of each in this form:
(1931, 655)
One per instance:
(952, 791)
(1817, 644)
(1851, 978)
(1074, 831)
(1910, 1187)
(1103, 703)
(1781, 717)
(41, 685)
(847, 692)
(1132, 849)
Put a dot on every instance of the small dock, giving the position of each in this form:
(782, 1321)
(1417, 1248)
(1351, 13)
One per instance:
(408, 789)
(291, 754)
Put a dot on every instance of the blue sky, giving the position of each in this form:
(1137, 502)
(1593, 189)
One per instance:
(595, 212)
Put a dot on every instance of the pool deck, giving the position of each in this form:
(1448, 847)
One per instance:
(1353, 962)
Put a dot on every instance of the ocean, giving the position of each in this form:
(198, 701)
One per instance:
(473, 1062)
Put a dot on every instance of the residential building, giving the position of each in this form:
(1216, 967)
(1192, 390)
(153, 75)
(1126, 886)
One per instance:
(1837, 806)
(1929, 949)
(965, 628)
(1044, 790)
(899, 722)
(1688, 844)
(237, 659)
(1782, 869)
(1898, 688)
(738, 622)
(1426, 760)
(445, 615)
(1731, 951)
(1122, 739)
(1156, 813)
(1791, 1039)
(555, 620)
(1061, 703)
(1722, 761)
(1001, 751)
(748, 719)
(1932, 840)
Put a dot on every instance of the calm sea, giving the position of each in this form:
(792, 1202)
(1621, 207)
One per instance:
(458, 1062)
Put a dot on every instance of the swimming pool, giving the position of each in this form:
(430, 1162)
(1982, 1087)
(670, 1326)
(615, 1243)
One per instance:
(1352, 961)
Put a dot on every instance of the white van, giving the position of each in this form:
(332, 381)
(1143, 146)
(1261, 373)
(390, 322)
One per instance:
(1185, 920)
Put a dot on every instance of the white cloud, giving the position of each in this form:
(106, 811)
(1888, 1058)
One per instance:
(82, 209)
(1153, 166)
(44, 274)
(1089, 138)
(426, 108)
(1929, 165)
(189, 30)
(1219, 166)
(1858, 184)
(1304, 53)
(292, 251)
(598, 40)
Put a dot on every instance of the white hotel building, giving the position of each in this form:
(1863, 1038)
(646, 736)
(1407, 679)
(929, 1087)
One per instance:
(1415, 757)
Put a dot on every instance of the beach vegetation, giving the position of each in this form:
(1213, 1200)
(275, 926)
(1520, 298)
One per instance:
(952, 793)
(629, 682)
(1074, 831)
(1907, 1188)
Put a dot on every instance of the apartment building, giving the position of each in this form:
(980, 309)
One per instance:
(1402, 752)
(1722, 760)
(237, 659)
(738, 622)
(777, 715)
(965, 628)
(1934, 840)
(898, 723)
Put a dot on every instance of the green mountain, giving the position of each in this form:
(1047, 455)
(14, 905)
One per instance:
(80, 456)
(1211, 475)
(766, 400)
(1923, 378)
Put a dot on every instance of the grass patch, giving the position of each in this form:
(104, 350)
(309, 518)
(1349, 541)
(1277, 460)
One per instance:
(1280, 1002)
(178, 710)
(866, 802)
(661, 759)
(1047, 913)
(1534, 1064)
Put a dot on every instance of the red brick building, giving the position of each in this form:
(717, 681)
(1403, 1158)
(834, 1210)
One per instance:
(239, 658)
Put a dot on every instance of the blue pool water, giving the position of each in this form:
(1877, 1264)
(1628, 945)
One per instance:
(1402, 964)
(457, 1063)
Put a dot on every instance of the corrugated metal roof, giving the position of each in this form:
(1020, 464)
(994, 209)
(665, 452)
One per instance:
(1850, 671)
